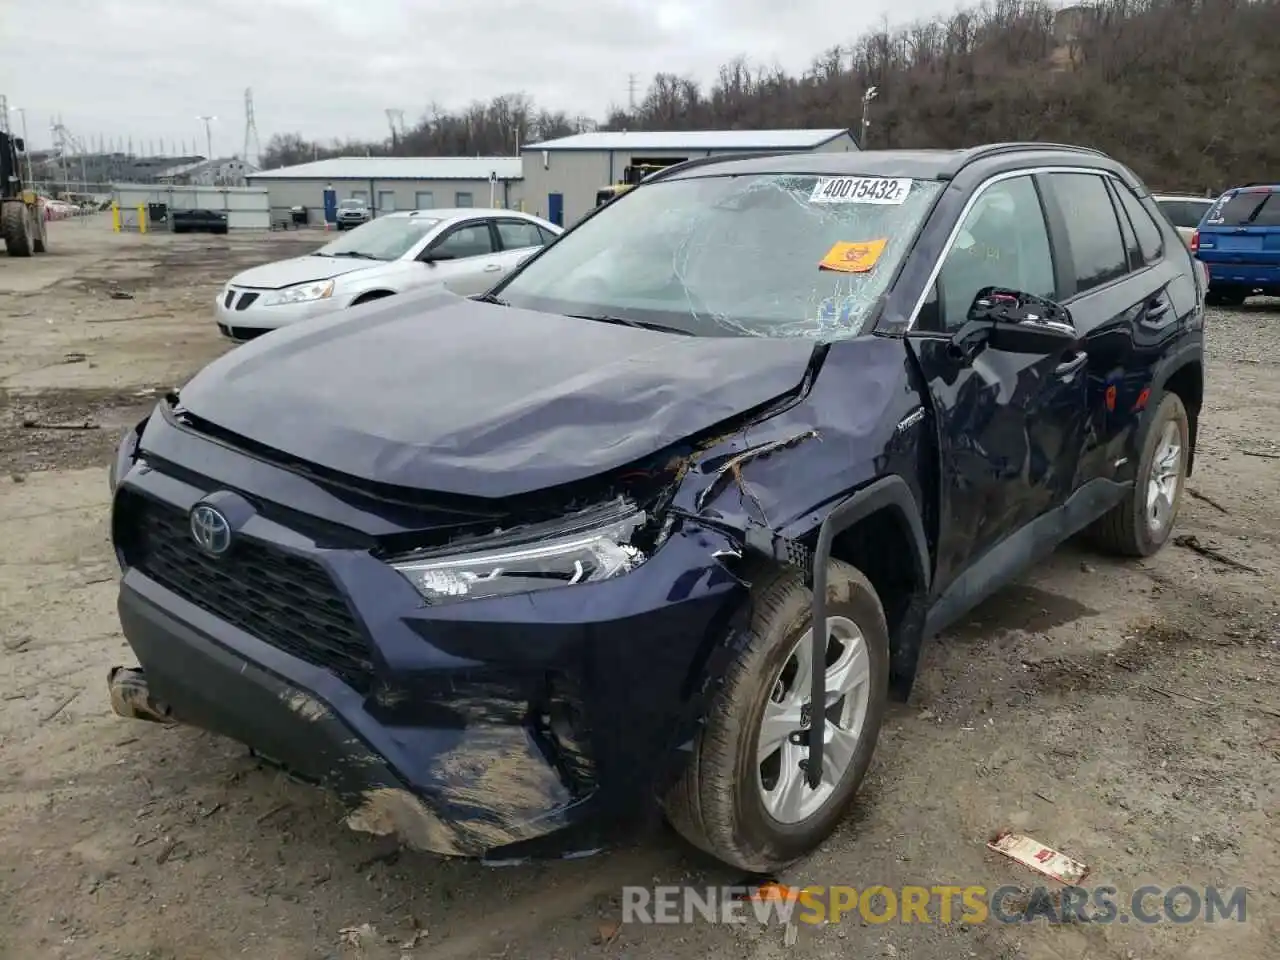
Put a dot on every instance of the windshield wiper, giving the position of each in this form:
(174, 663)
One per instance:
(629, 322)
(490, 298)
(358, 254)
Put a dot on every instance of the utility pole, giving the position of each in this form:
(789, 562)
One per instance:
(208, 135)
(866, 107)
(395, 118)
(632, 83)
(250, 129)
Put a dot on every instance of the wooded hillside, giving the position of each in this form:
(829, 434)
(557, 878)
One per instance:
(1184, 91)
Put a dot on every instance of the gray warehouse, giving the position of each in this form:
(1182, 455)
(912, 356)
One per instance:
(393, 183)
(561, 176)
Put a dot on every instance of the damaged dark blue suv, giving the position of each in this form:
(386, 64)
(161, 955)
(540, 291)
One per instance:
(510, 574)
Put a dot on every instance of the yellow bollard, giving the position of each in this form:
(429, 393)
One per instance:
(115, 217)
(142, 218)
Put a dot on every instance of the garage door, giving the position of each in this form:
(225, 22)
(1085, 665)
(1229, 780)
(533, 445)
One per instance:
(424, 200)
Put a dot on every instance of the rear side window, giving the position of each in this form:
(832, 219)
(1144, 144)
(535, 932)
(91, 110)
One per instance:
(1098, 254)
(1246, 208)
(1150, 241)
(1184, 213)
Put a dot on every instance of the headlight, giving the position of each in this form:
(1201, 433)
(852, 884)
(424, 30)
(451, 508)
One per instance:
(560, 560)
(126, 452)
(302, 293)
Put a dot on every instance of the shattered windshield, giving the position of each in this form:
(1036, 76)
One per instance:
(760, 256)
(387, 238)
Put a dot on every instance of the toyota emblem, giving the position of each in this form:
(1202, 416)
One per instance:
(210, 530)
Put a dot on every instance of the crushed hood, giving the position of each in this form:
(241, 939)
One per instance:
(436, 392)
(285, 273)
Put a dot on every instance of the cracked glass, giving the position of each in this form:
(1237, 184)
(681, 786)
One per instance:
(731, 256)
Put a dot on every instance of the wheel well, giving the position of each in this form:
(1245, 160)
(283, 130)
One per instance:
(372, 295)
(1188, 383)
(881, 546)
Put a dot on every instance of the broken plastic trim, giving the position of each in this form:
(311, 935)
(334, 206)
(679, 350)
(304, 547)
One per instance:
(734, 463)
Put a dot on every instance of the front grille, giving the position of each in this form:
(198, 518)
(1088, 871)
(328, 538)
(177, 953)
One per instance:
(280, 598)
(246, 300)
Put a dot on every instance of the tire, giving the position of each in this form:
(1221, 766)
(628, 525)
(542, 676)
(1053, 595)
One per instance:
(40, 235)
(15, 225)
(1225, 297)
(719, 803)
(1130, 529)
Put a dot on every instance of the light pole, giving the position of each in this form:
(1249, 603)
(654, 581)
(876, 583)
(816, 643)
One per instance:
(866, 107)
(208, 136)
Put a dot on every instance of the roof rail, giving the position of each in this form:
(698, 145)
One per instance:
(996, 149)
(991, 149)
(720, 158)
(1256, 183)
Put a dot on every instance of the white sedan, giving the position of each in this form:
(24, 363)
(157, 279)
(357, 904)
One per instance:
(466, 251)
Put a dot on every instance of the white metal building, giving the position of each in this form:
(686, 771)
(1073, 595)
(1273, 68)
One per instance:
(561, 176)
(224, 172)
(393, 183)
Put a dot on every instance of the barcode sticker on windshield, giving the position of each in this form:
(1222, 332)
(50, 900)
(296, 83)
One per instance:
(861, 190)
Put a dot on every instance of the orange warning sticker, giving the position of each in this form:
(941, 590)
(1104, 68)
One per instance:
(857, 257)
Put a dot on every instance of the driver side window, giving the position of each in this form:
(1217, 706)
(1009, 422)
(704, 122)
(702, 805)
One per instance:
(468, 240)
(1003, 242)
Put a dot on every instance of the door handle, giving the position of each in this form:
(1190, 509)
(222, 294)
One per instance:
(1156, 309)
(493, 268)
(1071, 363)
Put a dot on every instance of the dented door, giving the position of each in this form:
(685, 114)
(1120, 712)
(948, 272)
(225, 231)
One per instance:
(1010, 430)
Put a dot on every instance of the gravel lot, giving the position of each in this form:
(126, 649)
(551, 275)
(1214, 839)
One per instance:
(1125, 713)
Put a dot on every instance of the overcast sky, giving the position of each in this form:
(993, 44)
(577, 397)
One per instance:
(146, 69)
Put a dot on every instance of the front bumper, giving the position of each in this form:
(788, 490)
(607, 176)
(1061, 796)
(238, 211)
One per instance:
(536, 724)
(242, 317)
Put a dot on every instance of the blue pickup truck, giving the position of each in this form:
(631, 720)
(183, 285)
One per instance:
(1239, 243)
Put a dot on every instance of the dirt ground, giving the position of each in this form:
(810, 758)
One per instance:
(1127, 714)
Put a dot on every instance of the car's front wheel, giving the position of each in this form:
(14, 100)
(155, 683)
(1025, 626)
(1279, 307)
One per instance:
(1142, 523)
(744, 797)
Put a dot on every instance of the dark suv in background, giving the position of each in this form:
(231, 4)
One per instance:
(511, 573)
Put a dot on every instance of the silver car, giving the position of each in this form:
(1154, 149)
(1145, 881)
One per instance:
(1184, 212)
(466, 251)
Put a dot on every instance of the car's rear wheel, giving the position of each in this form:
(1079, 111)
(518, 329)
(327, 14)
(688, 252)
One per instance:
(743, 797)
(1143, 522)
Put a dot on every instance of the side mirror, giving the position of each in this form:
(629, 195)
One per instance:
(432, 257)
(1015, 321)
(19, 144)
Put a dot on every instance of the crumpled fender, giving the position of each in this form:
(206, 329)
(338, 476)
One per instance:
(785, 486)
